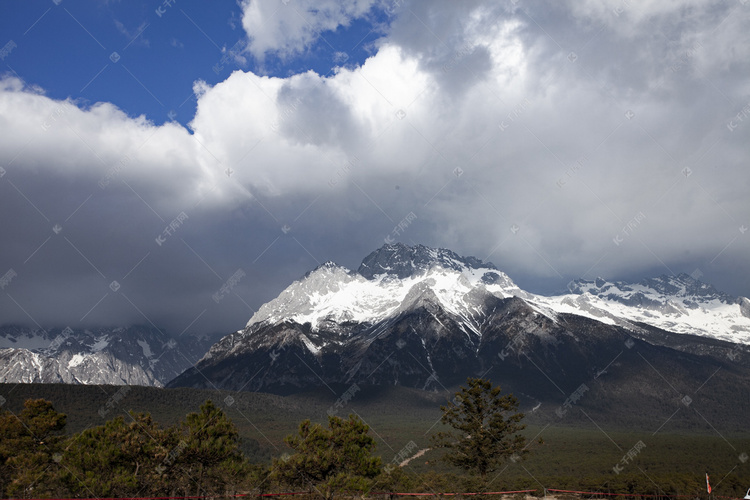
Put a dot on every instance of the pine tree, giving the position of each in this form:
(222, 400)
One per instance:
(208, 460)
(118, 459)
(486, 427)
(329, 459)
(30, 446)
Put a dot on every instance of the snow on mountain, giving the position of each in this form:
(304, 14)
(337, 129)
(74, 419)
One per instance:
(443, 309)
(16, 337)
(392, 277)
(679, 304)
(145, 348)
(334, 294)
(135, 355)
(427, 318)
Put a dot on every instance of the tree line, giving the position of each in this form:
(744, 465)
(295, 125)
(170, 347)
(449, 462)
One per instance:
(134, 456)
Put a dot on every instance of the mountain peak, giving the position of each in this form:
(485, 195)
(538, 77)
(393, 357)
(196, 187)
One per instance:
(329, 266)
(404, 261)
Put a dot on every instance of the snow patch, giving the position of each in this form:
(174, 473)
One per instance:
(308, 343)
(100, 344)
(76, 360)
(146, 348)
(28, 341)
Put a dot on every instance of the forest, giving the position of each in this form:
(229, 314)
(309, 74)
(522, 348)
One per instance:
(482, 436)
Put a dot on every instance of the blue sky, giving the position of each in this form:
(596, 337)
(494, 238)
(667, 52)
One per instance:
(557, 139)
(71, 49)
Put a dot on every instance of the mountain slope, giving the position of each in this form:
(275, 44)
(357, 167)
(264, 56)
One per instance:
(136, 355)
(428, 318)
(679, 304)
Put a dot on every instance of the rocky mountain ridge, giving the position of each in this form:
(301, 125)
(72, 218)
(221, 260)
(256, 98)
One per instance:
(427, 318)
(136, 355)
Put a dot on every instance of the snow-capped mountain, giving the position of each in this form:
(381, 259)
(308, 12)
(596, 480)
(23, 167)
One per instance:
(680, 304)
(136, 355)
(386, 283)
(332, 294)
(427, 318)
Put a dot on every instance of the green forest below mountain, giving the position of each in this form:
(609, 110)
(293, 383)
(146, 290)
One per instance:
(134, 441)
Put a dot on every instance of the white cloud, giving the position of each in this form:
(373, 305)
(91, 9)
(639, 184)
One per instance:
(689, 36)
(289, 26)
(62, 137)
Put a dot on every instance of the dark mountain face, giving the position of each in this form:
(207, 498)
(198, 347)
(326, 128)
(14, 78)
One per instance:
(682, 285)
(529, 354)
(403, 261)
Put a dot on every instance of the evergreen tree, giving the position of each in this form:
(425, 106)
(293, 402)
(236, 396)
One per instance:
(208, 460)
(30, 447)
(486, 427)
(118, 459)
(329, 459)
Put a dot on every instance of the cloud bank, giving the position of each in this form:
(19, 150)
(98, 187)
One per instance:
(559, 140)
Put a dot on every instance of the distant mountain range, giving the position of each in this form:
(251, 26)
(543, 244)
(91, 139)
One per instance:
(137, 355)
(428, 318)
(680, 304)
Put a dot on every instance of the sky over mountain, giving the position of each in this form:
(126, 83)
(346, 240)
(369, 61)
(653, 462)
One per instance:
(181, 162)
